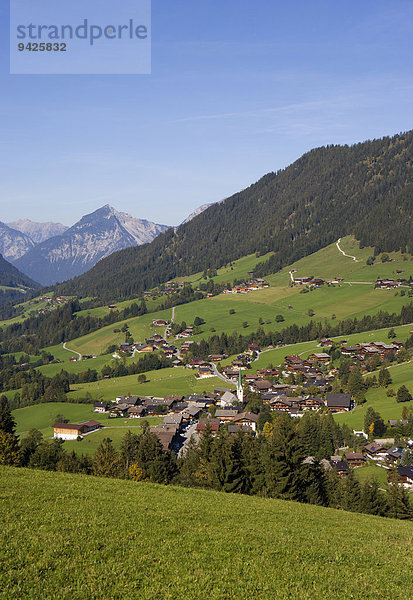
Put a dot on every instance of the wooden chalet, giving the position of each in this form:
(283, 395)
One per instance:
(203, 424)
(339, 402)
(355, 459)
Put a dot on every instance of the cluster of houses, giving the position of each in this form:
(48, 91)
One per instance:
(251, 285)
(386, 457)
(52, 303)
(316, 281)
(151, 344)
(181, 411)
(389, 284)
(170, 287)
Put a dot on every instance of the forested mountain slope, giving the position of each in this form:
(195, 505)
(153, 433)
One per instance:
(365, 190)
(12, 282)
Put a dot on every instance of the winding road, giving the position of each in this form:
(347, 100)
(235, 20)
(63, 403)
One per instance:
(343, 253)
(72, 351)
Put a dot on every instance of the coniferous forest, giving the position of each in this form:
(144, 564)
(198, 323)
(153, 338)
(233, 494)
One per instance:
(365, 190)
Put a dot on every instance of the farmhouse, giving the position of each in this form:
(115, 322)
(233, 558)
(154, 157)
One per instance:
(375, 451)
(338, 402)
(226, 415)
(247, 418)
(70, 431)
(406, 476)
(355, 459)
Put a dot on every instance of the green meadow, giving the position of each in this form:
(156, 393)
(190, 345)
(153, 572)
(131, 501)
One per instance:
(81, 537)
(139, 327)
(387, 406)
(44, 416)
(160, 383)
(327, 303)
(372, 471)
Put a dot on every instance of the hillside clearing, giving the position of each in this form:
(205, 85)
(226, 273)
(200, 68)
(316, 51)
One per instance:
(86, 538)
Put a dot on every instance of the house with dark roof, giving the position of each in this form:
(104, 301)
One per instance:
(375, 451)
(355, 459)
(247, 418)
(339, 402)
(406, 476)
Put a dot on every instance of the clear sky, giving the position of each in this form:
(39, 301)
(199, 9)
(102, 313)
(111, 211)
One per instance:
(238, 88)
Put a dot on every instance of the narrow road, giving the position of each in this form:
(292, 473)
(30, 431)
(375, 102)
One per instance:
(73, 351)
(343, 253)
(292, 276)
(218, 374)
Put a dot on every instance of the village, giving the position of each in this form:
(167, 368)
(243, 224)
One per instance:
(298, 386)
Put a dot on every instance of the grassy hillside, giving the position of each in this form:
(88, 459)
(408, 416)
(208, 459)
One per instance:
(87, 538)
(387, 406)
(329, 262)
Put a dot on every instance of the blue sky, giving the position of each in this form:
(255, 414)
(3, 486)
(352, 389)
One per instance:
(237, 89)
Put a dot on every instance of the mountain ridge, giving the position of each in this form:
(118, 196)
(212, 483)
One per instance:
(365, 190)
(78, 248)
(13, 243)
(38, 232)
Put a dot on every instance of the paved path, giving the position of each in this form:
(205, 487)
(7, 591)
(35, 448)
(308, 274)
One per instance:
(73, 351)
(291, 275)
(220, 375)
(343, 253)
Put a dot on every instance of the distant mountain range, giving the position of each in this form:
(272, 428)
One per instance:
(13, 243)
(54, 252)
(38, 232)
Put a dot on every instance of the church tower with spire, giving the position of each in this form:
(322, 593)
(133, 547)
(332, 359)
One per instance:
(240, 389)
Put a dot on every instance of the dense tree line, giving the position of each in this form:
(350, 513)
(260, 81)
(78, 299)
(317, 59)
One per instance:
(365, 190)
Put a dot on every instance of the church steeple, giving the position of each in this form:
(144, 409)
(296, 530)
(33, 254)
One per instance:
(240, 390)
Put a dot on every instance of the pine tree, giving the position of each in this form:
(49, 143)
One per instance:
(384, 377)
(350, 493)
(236, 479)
(315, 484)
(9, 449)
(7, 423)
(403, 394)
(129, 449)
(309, 428)
(397, 499)
(372, 500)
(355, 383)
(29, 445)
(283, 461)
(106, 461)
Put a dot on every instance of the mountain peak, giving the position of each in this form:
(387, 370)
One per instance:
(79, 247)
